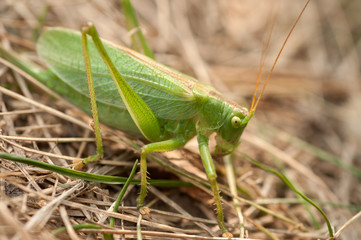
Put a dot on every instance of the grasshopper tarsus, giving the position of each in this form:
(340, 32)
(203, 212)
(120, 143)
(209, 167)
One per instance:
(227, 235)
(145, 211)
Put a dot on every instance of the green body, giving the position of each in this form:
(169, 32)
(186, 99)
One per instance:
(178, 101)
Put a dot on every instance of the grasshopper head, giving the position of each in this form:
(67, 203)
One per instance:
(229, 133)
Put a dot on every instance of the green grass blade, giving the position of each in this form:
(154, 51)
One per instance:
(26, 66)
(90, 176)
(290, 185)
(133, 24)
(122, 192)
(119, 199)
(312, 216)
(40, 22)
(282, 169)
(76, 227)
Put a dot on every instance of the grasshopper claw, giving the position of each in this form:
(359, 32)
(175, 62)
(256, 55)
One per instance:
(145, 211)
(227, 235)
(78, 164)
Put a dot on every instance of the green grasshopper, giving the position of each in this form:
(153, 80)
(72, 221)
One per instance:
(129, 91)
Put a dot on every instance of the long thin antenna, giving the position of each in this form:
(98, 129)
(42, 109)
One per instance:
(263, 57)
(278, 56)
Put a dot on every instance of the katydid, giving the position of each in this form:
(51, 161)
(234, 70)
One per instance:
(137, 95)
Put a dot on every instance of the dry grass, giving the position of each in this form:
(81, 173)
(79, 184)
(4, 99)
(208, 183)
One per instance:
(313, 96)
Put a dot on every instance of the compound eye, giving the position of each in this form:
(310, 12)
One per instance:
(236, 122)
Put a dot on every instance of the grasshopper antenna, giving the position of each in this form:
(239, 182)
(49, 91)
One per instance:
(262, 60)
(254, 105)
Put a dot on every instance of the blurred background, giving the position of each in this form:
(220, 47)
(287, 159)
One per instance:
(311, 104)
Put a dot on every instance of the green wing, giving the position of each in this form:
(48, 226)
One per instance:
(168, 96)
